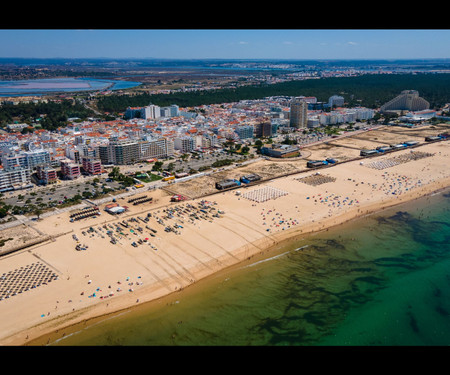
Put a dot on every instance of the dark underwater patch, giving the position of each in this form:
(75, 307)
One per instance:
(327, 244)
(361, 269)
(413, 322)
(441, 311)
(401, 216)
(369, 279)
(315, 318)
(335, 244)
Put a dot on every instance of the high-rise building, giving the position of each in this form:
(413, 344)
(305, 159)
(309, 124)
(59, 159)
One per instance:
(103, 154)
(27, 159)
(37, 157)
(212, 138)
(335, 100)
(184, 144)
(299, 113)
(156, 148)
(122, 152)
(263, 129)
(244, 131)
(408, 100)
(174, 110)
(151, 112)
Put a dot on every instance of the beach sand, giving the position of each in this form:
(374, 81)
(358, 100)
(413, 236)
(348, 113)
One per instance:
(106, 278)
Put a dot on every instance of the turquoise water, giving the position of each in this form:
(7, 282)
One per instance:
(380, 280)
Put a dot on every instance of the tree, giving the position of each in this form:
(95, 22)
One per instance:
(37, 211)
(170, 167)
(114, 174)
(258, 142)
(3, 212)
(157, 166)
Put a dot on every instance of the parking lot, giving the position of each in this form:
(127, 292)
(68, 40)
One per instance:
(56, 194)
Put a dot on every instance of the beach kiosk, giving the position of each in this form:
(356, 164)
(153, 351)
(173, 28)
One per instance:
(114, 209)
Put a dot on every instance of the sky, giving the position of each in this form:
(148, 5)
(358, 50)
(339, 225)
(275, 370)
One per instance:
(226, 43)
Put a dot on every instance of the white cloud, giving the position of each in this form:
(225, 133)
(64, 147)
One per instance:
(352, 43)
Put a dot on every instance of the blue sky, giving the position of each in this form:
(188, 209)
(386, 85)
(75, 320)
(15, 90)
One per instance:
(227, 43)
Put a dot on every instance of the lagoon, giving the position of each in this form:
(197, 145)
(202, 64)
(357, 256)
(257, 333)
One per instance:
(37, 87)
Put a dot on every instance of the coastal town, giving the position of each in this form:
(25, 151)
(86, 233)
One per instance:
(156, 147)
(102, 215)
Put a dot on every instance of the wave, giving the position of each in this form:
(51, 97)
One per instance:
(275, 257)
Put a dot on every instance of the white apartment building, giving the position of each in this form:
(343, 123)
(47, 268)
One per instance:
(10, 161)
(336, 100)
(15, 178)
(37, 157)
(156, 148)
(151, 112)
(345, 116)
(184, 144)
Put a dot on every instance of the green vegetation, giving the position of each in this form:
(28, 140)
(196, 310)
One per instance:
(157, 166)
(221, 163)
(147, 177)
(120, 177)
(370, 90)
(3, 240)
(49, 115)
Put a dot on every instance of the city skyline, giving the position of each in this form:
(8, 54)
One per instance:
(296, 44)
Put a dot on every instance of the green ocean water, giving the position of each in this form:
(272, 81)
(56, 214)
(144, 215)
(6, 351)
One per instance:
(380, 280)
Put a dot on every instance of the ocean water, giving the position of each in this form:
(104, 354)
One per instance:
(382, 280)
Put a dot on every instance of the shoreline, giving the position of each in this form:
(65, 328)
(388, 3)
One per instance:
(256, 241)
(289, 237)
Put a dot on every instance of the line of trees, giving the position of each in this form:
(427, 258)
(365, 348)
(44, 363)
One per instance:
(369, 90)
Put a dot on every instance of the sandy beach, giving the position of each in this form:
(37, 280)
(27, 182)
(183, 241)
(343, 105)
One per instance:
(209, 234)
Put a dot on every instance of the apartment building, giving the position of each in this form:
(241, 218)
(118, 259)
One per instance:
(121, 152)
(152, 112)
(335, 100)
(91, 165)
(46, 175)
(407, 100)
(37, 157)
(263, 129)
(10, 161)
(299, 113)
(345, 116)
(15, 178)
(70, 170)
(245, 131)
(156, 148)
(184, 144)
